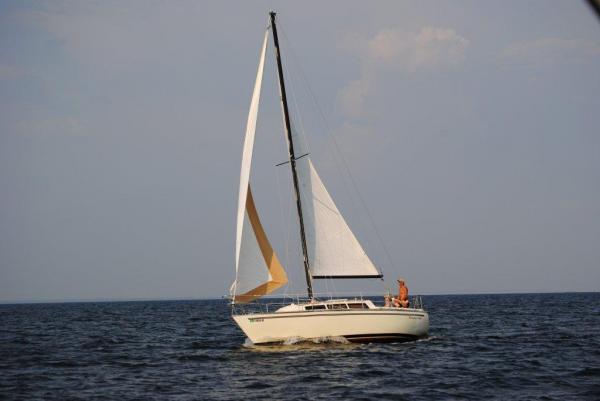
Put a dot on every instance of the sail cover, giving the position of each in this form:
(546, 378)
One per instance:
(258, 270)
(333, 250)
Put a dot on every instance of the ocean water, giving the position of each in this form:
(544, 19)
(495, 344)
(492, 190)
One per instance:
(517, 347)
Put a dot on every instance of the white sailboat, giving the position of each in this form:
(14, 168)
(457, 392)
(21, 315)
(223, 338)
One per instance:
(330, 251)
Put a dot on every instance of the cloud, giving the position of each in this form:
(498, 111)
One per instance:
(395, 50)
(550, 51)
(430, 47)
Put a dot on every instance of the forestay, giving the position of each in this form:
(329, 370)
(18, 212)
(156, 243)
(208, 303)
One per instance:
(258, 270)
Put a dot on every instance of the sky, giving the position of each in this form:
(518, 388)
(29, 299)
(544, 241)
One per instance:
(459, 138)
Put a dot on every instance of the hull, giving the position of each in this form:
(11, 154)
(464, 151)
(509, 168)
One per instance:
(371, 325)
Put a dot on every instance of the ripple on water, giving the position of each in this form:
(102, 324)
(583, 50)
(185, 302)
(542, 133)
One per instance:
(518, 346)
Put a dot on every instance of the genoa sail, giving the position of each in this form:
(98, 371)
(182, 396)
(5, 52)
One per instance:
(333, 250)
(258, 270)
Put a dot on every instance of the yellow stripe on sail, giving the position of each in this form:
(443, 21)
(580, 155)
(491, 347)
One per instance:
(279, 277)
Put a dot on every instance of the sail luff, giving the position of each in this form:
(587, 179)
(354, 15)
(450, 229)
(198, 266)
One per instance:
(258, 271)
(247, 152)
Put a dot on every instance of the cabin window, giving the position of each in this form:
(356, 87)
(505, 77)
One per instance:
(314, 307)
(337, 306)
(358, 305)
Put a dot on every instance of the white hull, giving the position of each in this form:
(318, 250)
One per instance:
(366, 325)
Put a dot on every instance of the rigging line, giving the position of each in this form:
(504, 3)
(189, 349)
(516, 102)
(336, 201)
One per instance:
(336, 155)
(289, 232)
(300, 133)
(292, 83)
(291, 91)
(365, 225)
(333, 286)
(362, 200)
(283, 228)
(291, 79)
(288, 240)
(287, 223)
(337, 148)
(339, 154)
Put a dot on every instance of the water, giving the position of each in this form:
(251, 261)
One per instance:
(519, 347)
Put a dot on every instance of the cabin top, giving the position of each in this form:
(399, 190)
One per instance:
(333, 304)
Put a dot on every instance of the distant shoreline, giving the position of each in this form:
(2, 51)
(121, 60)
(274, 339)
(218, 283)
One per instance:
(116, 300)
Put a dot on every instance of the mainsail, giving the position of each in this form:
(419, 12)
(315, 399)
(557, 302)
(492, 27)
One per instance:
(333, 250)
(258, 270)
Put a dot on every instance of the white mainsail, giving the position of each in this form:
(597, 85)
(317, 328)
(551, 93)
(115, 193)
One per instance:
(258, 270)
(333, 250)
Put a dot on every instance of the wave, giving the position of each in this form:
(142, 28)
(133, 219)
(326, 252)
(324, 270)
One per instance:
(300, 343)
(317, 340)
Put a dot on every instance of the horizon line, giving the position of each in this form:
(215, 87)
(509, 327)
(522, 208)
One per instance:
(175, 299)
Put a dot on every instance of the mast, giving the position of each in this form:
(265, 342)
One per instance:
(292, 155)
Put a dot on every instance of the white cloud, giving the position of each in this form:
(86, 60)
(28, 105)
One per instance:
(551, 51)
(430, 47)
(398, 51)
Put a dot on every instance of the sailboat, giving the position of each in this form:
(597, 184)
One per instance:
(330, 250)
